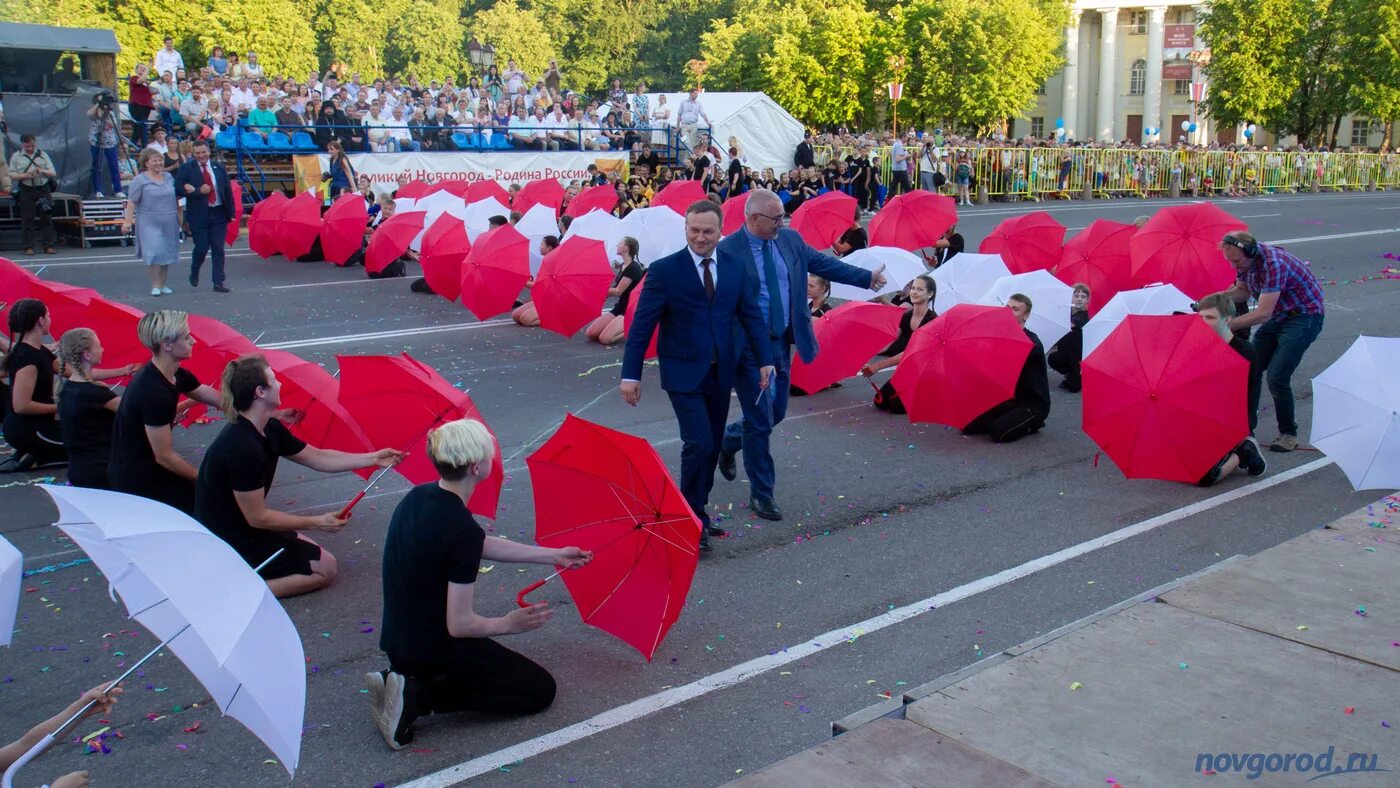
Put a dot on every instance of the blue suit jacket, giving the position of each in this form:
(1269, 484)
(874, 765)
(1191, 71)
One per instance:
(801, 260)
(197, 212)
(692, 330)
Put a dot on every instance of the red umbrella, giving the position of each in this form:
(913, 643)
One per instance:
(609, 492)
(603, 198)
(454, 186)
(413, 190)
(262, 225)
(485, 190)
(821, 220)
(1098, 257)
(733, 209)
(1026, 243)
(631, 313)
(397, 401)
(1165, 398)
(236, 225)
(1180, 245)
(115, 323)
(300, 222)
(679, 195)
(913, 220)
(545, 191)
(14, 282)
(325, 423)
(495, 271)
(215, 345)
(572, 285)
(445, 247)
(67, 303)
(962, 364)
(849, 336)
(390, 239)
(343, 228)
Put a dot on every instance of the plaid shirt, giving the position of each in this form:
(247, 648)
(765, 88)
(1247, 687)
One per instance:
(1277, 270)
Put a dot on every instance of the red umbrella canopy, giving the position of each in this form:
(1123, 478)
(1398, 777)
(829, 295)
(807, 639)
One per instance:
(1165, 397)
(485, 190)
(391, 239)
(445, 247)
(733, 209)
(495, 271)
(1180, 245)
(679, 195)
(215, 345)
(234, 226)
(15, 282)
(263, 225)
(1098, 257)
(1026, 243)
(572, 285)
(67, 304)
(609, 492)
(849, 336)
(343, 228)
(315, 394)
(913, 220)
(301, 222)
(962, 364)
(821, 220)
(397, 400)
(454, 186)
(545, 191)
(413, 190)
(631, 313)
(603, 198)
(115, 324)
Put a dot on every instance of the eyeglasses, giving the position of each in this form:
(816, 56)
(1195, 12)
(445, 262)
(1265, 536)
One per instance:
(777, 218)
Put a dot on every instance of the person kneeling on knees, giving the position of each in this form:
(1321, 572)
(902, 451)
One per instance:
(1025, 413)
(1216, 310)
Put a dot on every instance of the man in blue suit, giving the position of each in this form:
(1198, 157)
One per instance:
(700, 306)
(780, 260)
(208, 194)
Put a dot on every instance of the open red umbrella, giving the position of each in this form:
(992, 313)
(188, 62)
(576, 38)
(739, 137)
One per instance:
(390, 239)
(299, 225)
(263, 234)
(572, 285)
(397, 400)
(1180, 245)
(1026, 243)
(849, 336)
(445, 247)
(545, 191)
(413, 190)
(115, 323)
(343, 228)
(15, 282)
(67, 303)
(631, 313)
(1098, 257)
(913, 220)
(495, 271)
(453, 186)
(1165, 397)
(603, 198)
(485, 190)
(309, 389)
(679, 195)
(231, 234)
(609, 492)
(821, 220)
(733, 209)
(962, 364)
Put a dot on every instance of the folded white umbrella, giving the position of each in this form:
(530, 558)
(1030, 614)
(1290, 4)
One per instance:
(659, 232)
(1356, 413)
(966, 278)
(213, 611)
(1050, 302)
(1153, 300)
(535, 224)
(900, 268)
(597, 224)
(11, 578)
(479, 215)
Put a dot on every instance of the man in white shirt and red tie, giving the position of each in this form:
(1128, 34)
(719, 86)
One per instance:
(208, 193)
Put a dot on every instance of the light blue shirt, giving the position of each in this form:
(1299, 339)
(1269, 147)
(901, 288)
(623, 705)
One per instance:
(756, 247)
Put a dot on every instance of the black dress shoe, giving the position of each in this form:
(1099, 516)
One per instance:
(715, 530)
(705, 545)
(194, 280)
(221, 289)
(727, 466)
(765, 508)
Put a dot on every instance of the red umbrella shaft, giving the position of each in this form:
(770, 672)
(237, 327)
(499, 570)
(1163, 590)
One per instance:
(359, 496)
(524, 592)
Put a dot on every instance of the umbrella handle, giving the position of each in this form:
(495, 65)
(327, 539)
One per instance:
(520, 597)
(344, 513)
(871, 380)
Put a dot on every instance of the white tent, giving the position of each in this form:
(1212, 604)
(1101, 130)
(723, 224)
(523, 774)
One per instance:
(766, 133)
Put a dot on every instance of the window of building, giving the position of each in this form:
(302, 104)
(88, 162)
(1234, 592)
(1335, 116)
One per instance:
(1181, 87)
(1037, 127)
(1361, 131)
(1137, 78)
(1185, 16)
(1137, 23)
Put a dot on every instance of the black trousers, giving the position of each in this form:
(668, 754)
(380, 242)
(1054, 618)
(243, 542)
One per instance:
(899, 182)
(140, 120)
(1009, 421)
(484, 676)
(39, 439)
(1066, 355)
(34, 221)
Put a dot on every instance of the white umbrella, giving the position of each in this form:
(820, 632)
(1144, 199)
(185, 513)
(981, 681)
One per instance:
(1356, 413)
(1050, 302)
(11, 577)
(479, 214)
(535, 224)
(965, 279)
(659, 232)
(440, 202)
(1153, 300)
(191, 590)
(900, 268)
(597, 224)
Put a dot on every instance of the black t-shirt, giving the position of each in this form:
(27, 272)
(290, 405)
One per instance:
(1033, 386)
(700, 167)
(432, 541)
(243, 460)
(24, 355)
(634, 272)
(85, 425)
(956, 244)
(735, 172)
(906, 331)
(150, 400)
(651, 160)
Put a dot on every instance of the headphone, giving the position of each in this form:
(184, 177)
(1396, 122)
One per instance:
(1251, 249)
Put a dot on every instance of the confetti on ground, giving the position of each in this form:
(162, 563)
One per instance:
(1349, 710)
(1074, 685)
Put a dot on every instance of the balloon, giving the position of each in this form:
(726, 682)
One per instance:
(1192, 127)
(1248, 134)
(1186, 125)
(1253, 128)
(1059, 123)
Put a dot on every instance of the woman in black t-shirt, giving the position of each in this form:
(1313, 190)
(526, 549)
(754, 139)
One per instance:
(31, 415)
(608, 329)
(87, 409)
(918, 314)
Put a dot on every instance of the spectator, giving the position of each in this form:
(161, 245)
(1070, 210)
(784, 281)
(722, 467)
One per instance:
(326, 123)
(557, 125)
(217, 61)
(514, 78)
(235, 66)
(167, 59)
(521, 135)
(551, 77)
(805, 155)
(252, 68)
(140, 104)
(900, 159)
(33, 171)
(167, 105)
(402, 139)
(688, 116)
(288, 121)
(103, 142)
(261, 120)
(421, 132)
(660, 119)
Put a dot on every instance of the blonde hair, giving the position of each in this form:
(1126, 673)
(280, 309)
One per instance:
(145, 155)
(457, 445)
(71, 347)
(160, 326)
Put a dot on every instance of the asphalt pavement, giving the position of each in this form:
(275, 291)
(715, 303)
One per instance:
(907, 551)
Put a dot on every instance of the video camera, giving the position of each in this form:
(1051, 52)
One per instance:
(105, 99)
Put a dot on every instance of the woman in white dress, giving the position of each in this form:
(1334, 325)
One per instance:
(660, 119)
(151, 208)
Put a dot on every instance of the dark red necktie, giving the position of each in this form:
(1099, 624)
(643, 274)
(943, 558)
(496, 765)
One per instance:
(209, 181)
(709, 278)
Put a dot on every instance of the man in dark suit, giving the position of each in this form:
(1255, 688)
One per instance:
(780, 260)
(700, 306)
(805, 155)
(208, 194)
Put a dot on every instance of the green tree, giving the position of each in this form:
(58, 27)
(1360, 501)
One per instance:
(674, 40)
(275, 29)
(597, 40)
(425, 38)
(516, 33)
(1373, 30)
(355, 33)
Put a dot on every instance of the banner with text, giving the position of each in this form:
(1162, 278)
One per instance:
(384, 169)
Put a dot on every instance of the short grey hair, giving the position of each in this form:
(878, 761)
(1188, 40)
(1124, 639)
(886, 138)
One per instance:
(757, 197)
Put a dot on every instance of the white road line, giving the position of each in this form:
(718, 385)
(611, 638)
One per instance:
(733, 676)
(1257, 215)
(339, 282)
(122, 260)
(400, 332)
(1308, 238)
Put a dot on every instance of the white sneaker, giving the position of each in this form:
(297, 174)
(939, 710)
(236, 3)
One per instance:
(166, 291)
(97, 195)
(155, 291)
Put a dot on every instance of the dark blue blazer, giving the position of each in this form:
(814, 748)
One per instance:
(801, 259)
(692, 331)
(197, 213)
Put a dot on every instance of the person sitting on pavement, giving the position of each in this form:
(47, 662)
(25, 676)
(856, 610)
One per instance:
(1025, 413)
(442, 657)
(87, 409)
(919, 313)
(31, 414)
(1066, 355)
(609, 329)
(1217, 309)
(103, 701)
(526, 314)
